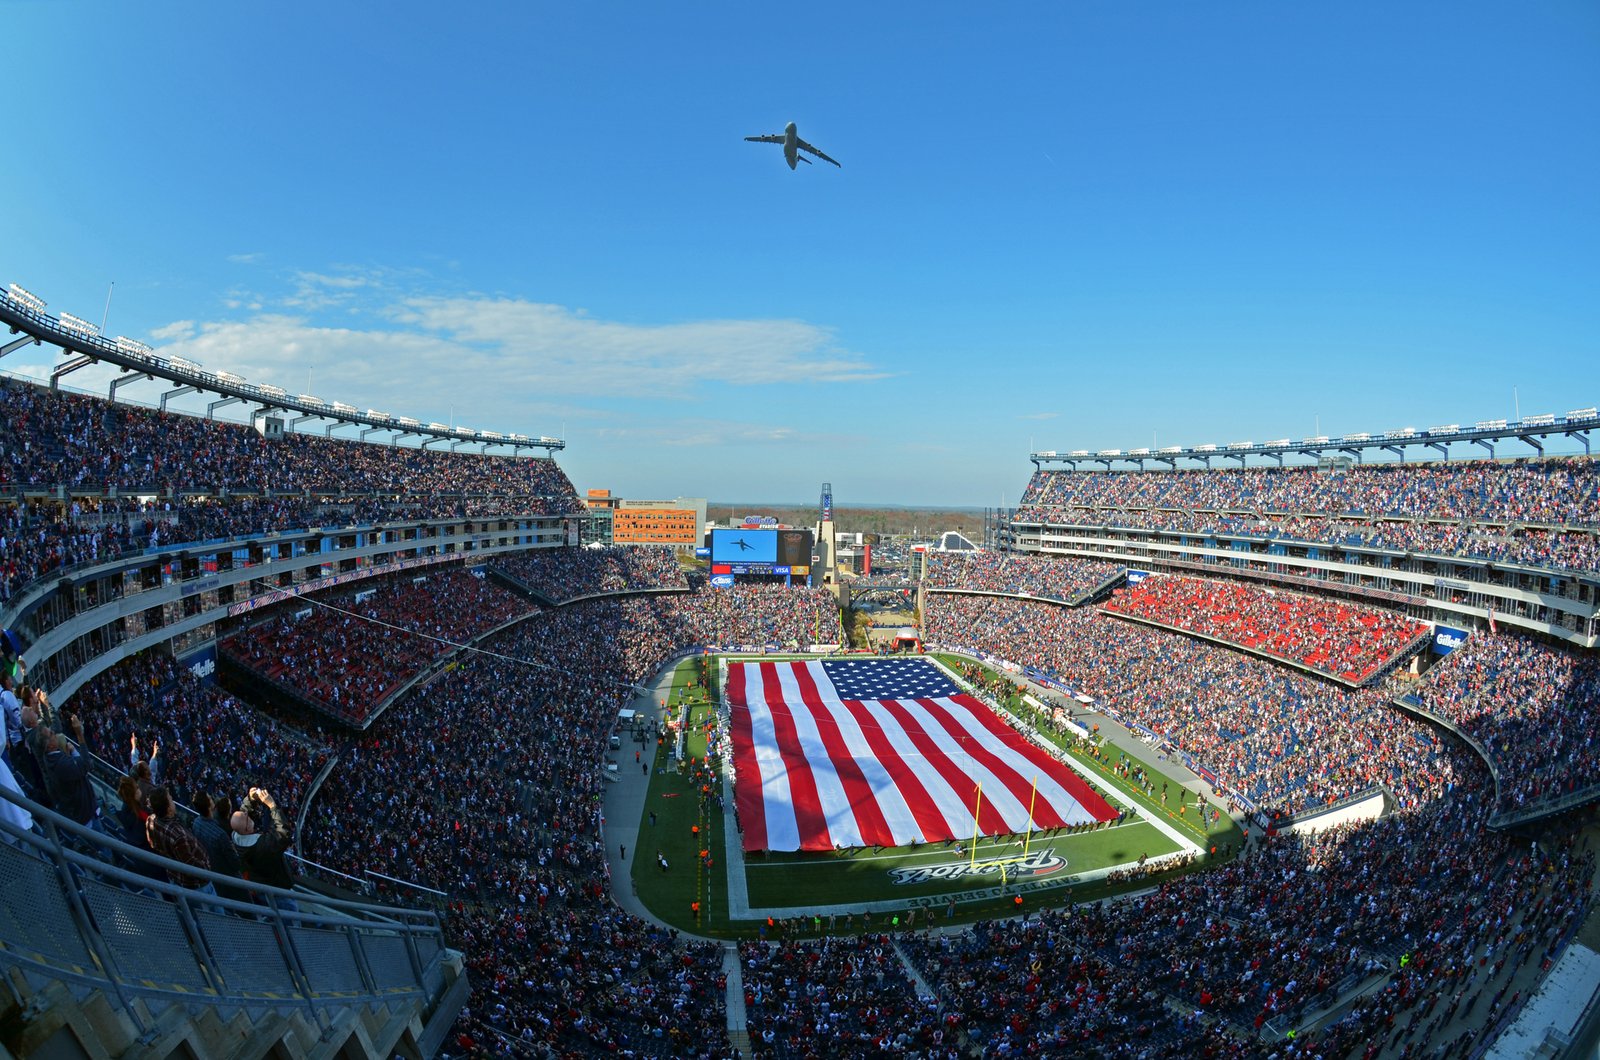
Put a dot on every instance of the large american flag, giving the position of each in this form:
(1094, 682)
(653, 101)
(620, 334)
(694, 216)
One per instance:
(849, 753)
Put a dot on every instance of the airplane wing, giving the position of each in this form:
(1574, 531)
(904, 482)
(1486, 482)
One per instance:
(775, 138)
(807, 147)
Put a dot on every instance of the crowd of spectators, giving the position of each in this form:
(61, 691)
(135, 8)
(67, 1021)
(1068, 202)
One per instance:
(841, 997)
(1346, 641)
(1534, 707)
(1201, 964)
(485, 783)
(219, 480)
(356, 646)
(562, 574)
(52, 438)
(758, 614)
(1541, 513)
(494, 797)
(191, 735)
(574, 976)
(1020, 574)
(1287, 742)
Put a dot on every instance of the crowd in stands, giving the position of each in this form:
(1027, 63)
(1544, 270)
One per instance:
(1534, 707)
(53, 438)
(1541, 513)
(485, 784)
(357, 646)
(193, 737)
(1056, 577)
(756, 614)
(1201, 963)
(220, 480)
(494, 797)
(562, 574)
(1343, 640)
(840, 997)
(576, 977)
(1285, 741)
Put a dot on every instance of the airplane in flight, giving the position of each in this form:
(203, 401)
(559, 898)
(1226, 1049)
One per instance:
(745, 546)
(792, 146)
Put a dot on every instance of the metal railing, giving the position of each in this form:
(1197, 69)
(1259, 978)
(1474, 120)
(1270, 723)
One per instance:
(84, 907)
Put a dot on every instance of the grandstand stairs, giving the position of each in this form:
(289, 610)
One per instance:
(53, 1018)
(738, 1020)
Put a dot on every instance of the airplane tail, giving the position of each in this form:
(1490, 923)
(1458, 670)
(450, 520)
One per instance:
(803, 158)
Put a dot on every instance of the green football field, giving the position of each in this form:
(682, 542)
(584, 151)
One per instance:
(816, 890)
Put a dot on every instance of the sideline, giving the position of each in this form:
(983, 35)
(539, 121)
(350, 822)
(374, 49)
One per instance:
(623, 807)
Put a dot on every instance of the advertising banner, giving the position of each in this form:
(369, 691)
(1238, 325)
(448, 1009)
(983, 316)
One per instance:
(1447, 639)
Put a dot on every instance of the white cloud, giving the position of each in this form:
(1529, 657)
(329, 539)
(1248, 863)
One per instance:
(319, 279)
(507, 353)
(245, 259)
(173, 332)
(569, 349)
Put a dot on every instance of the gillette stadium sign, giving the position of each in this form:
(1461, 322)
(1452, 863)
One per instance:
(1447, 639)
(1039, 863)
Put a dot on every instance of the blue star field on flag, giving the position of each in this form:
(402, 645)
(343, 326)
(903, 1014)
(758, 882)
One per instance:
(889, 679)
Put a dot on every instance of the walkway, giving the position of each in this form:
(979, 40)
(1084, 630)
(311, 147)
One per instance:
(624, 803)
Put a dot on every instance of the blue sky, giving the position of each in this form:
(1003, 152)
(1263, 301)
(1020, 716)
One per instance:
(1064, 225)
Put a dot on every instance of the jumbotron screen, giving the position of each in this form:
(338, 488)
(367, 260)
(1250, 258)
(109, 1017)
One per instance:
(747, 550)
(794, 548)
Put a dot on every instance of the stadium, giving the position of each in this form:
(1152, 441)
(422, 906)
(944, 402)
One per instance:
(338, 729)
(1125, 797)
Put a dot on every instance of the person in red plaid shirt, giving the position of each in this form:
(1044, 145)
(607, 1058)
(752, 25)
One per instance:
(172, 839)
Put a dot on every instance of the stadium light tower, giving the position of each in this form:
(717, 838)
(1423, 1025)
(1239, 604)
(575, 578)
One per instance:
(26, 299)
(78, 325)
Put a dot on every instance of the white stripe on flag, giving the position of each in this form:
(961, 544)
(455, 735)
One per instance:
(783, 831)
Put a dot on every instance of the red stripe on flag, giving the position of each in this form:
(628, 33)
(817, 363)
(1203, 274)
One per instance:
(966, 788)
(1021, 787)
(874, 828)
(808, 815)
(930, 821)
(747, 793)
(1062, 773)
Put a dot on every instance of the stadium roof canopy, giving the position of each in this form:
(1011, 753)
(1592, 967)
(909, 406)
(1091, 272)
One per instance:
(24, 313)
(1532, 430)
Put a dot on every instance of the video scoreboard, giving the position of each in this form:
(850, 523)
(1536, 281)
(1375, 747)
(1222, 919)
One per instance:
(746, 550)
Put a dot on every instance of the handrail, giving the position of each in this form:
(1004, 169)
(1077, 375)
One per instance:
(311, 793)
(94, 838)
(131, 933)
(406, 883)
(358, 881)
